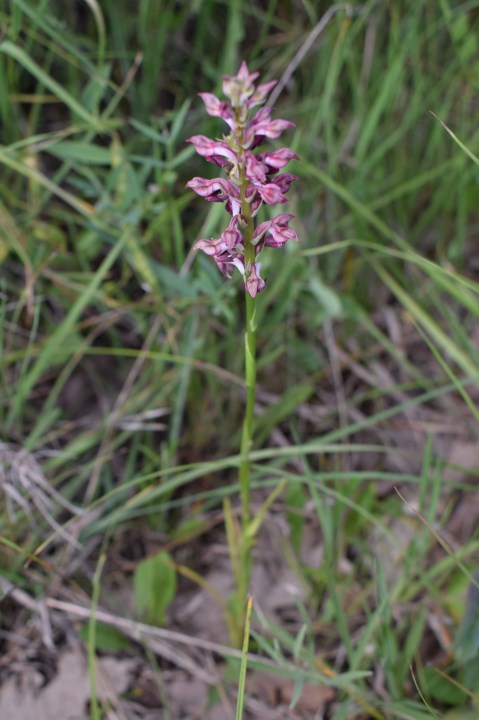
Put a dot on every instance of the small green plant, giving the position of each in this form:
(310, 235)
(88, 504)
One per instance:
(155, 587)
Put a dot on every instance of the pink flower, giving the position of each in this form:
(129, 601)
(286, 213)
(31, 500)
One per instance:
(262, 126)
(217, 190)
(227, 262)
(275, 233)
(232, 236)
(283, 181)
(274, 161)
(271, 194)
(261, 93)
(218, 108)
(218, 246)
(255, 284)
(255, 170)
(227, 257)
(215, 151)
(240, 87)
(211, 246)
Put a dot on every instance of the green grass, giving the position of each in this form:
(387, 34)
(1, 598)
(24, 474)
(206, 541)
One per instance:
(121, 352)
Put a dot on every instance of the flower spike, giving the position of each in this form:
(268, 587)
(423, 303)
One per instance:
(253, 179)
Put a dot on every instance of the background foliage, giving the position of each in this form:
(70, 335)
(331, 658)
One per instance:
(121, 363)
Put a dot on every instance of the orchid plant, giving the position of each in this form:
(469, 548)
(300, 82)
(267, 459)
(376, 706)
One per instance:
(252, 180)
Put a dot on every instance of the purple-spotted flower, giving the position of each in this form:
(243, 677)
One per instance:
(253, 179)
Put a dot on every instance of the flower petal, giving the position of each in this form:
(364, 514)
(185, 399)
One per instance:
(244, 74)
(211, 246)
(239, 88)
(227, 262)
(255, 283)
(274, 161)
(232, 236)
(283, 181)
(271, 194)
(261, 93)
(262, 126)
(255, 170)
(279, 231)
(217, 190)
(218, 108)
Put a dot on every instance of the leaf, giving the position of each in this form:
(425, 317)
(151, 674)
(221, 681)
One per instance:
(172, 283)
(467, 638)
(244, 661)
(437, 687)
(285, 407)
(296, 499)
(155, 586)
(81, 152)
(255, 524)
(326, 297)
(107, 637)
(18, 54)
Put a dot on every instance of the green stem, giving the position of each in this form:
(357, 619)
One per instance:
(246, 439)
(248, 421)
